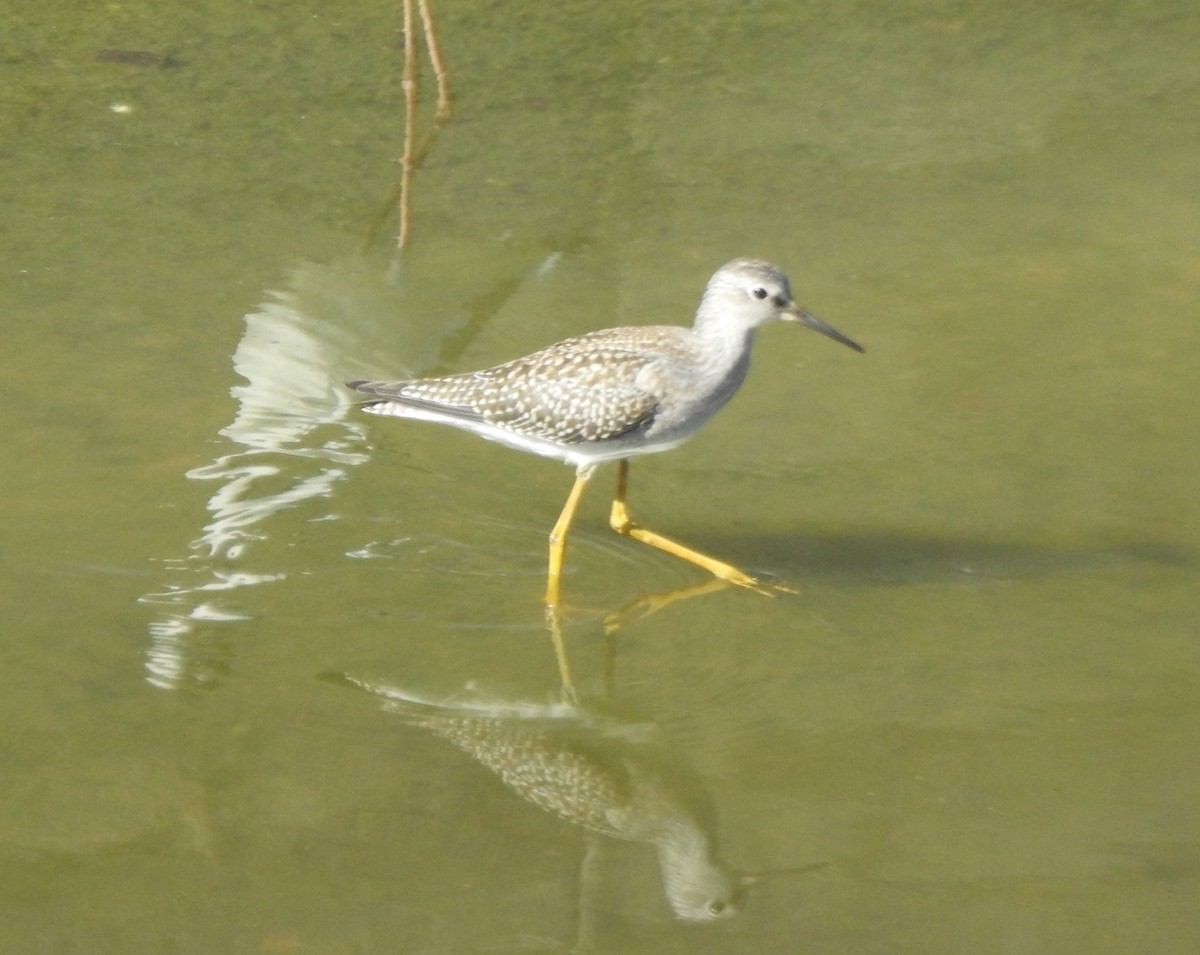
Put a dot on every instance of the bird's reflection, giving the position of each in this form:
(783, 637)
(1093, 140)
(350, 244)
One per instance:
(611, 776)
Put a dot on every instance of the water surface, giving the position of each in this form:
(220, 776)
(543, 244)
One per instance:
(973, 728)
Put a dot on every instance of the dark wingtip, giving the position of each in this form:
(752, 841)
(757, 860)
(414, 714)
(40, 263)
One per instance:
(354, 385)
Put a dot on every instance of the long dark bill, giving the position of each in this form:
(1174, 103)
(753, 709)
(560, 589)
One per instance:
(794, 313)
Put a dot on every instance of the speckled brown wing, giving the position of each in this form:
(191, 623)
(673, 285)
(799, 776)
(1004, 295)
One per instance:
(561, 772)
(579, 390)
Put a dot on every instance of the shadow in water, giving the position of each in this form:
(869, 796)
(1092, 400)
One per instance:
(892, 557)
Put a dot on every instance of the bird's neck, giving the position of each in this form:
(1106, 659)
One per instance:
(714, 323)
(689, 867)
(725, 345)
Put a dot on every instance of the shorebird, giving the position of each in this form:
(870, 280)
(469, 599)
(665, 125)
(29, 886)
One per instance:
(612, 395)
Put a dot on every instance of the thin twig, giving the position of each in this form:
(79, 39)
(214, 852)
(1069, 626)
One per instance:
(409, 84)
(414, 152)
(444, 103)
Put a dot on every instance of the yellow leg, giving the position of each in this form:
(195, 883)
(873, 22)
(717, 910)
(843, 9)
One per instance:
(559, 641)
(620, 522)
(558, 536)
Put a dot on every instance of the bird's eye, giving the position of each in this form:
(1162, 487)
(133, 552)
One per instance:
(759, 293)
(716, 907)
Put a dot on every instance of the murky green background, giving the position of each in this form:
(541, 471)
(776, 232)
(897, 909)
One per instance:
(974, 728)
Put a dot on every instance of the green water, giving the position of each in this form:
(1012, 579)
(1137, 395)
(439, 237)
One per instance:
(973, 728)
